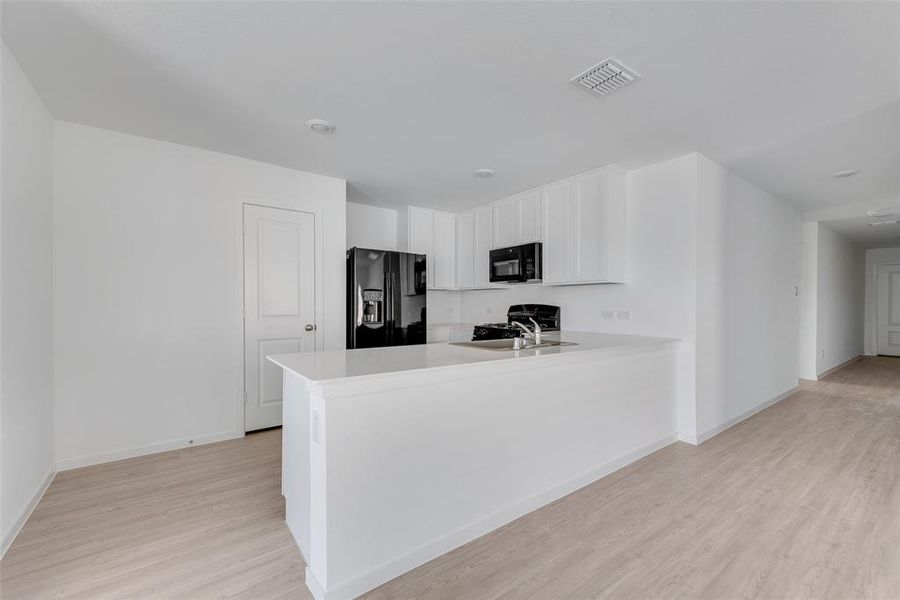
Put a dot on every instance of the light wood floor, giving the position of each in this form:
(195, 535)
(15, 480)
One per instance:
(800, 501)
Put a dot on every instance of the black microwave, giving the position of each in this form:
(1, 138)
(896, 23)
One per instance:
(519, 263)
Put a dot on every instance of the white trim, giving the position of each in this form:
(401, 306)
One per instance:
(296, 205)
(442, 545)
(10, 537)
(837, 367)
(315, 588)
(714, 431)
(96, 459)
(688, 438)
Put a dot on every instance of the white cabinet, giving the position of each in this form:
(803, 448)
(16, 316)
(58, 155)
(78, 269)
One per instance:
(444, 250)
(517, 220)
(484, 235)
(465, 249)
(420, 238)
(505, 223)
(474, 232)
(557, 250)
(528, 217)
(433, 233)
(584, 231)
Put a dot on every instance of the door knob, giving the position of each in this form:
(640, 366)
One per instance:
(310, 327)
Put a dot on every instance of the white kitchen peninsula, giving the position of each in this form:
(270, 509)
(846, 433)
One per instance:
(394, 456)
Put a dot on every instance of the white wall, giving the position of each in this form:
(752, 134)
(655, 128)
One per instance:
(660, 293)
(841, 268)
(879, 256)
(371, 227)
(747, 311)
(146, 298)
(26, 343)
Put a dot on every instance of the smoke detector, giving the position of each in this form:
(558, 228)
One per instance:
(605, 77)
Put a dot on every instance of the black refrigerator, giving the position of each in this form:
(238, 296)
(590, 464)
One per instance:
(385, 298)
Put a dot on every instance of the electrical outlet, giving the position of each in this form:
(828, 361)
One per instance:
(623, 315)
(608, 314)
(823, 353)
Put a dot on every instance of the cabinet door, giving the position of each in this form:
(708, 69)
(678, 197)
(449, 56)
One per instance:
(528, 209)
(420, 238)
(444, 250)
(591, 227)
(484, 233)
(465, 250)
(505, 223)
(557, 247)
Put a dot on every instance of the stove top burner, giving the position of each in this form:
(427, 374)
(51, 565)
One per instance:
(547, 316)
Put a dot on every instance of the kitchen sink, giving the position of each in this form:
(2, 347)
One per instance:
(507, 344)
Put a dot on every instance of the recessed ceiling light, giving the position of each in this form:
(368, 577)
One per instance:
(320, 125)
(484, 173)
(847, 173)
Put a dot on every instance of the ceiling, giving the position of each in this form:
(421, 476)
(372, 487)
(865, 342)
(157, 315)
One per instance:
(858, 230)
(424, 93)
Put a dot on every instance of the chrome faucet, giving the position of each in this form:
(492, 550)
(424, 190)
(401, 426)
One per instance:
(534, 335)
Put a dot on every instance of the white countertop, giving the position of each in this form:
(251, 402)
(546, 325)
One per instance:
(333, 365)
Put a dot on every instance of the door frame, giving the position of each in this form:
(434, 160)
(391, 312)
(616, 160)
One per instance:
(283, 203)
(876, 306)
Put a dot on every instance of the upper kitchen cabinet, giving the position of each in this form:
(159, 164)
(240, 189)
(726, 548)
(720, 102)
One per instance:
(505, 222)
(484, 240)
(584, 229)
(465, 250)
(474, 234)
(432, 233)
(444, 251)
(517, 220)
(528, 217)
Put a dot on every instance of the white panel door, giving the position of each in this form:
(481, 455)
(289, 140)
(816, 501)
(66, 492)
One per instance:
(279, 303)
(528, 207)
(465, 250)
(889, 310)
(591, 225)
(484, 235)
(557, 247)
(505, 223)
(444, 250)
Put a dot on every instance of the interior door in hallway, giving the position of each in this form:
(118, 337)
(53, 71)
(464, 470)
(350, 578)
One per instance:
(889, 310)
(279, 303)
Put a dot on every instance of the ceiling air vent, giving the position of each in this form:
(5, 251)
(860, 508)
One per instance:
(605, 77)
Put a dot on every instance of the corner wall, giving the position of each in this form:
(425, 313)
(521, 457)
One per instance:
(147, 288)
(841, 269)
(26, 278)
(748, 267)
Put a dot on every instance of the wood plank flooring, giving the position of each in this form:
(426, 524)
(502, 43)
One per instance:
(204, 522)
(800, 501)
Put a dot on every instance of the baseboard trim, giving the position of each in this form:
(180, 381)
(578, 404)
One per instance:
(838, 367)
(10, 537)
(688, 438)
(710, 433)
(97, 459)
(372, 579)
(315, 588)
